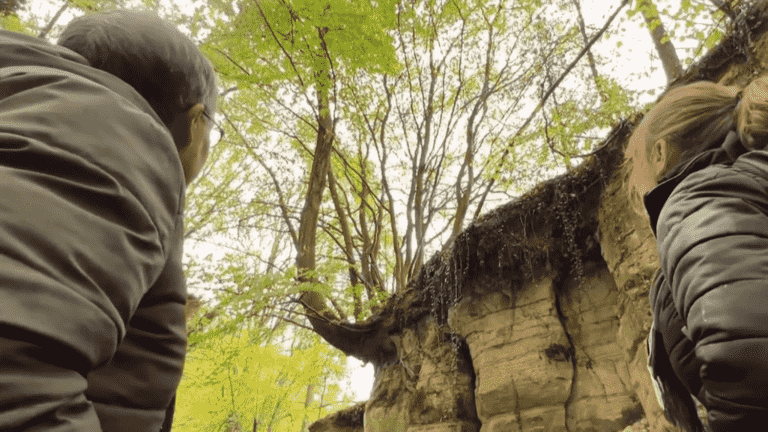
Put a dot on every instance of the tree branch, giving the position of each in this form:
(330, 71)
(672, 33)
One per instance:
(274, 36)
(724, 6)
(232, 61)
(544, 99)
(283, 206)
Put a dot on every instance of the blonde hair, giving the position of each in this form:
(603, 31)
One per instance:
(692, 119)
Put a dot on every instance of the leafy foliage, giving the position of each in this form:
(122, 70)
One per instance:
(236, 382)
(421, 113)
(268, 41)
(12, 22)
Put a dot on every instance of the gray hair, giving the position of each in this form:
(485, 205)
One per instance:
(155, 58)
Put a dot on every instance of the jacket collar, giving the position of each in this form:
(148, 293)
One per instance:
(728, 152)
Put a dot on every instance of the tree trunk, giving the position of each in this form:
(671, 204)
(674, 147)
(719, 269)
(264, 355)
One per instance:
(49, 26)
(368, 342)
(307, 402)
(590, 57)
(314, 303)
(669, 60)
(349, 247)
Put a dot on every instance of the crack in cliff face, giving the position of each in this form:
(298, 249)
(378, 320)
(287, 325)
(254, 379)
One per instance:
(572, 224)
(465, 403)
(569, 352)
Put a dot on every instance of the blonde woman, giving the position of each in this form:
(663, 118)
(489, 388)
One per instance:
(697, 163)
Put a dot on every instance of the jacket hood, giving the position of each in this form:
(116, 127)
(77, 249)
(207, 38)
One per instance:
(21, 50)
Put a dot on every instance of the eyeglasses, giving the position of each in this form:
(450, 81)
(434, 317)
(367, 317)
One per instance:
(216, 133)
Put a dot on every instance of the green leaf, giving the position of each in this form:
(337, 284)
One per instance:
(713, 39)
(12, 22)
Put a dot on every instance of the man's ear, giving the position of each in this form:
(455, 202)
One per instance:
(194, 155)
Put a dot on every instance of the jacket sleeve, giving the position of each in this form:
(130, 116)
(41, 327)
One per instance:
(132, 392)
(712, 237)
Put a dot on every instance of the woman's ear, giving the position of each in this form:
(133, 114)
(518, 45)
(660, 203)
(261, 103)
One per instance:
(194, 155)
(663, 158)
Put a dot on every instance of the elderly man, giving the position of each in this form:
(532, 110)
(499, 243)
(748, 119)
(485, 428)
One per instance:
(99, 137)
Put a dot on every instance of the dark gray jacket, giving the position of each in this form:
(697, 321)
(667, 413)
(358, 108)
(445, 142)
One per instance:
(710, 299)
(91, 230)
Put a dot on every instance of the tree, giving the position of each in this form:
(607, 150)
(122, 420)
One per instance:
(671, 63)
(447, 92)
(9, 19)
(44, 32)
(314, 43)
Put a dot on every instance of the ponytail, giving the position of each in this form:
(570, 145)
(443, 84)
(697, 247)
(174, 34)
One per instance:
(752, 115)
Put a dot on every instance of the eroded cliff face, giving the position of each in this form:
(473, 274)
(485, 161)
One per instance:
(430, 389)
(629, 250)
(551, 358)
(548, 340)
(519, 386)
(558, 352)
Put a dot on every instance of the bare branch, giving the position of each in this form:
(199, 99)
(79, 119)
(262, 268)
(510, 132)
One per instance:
(324, 46)
(544, 99)
(233, 61)
(338, 308)
(348, 246)
(228, 91)
(274, 36)
(258, 158)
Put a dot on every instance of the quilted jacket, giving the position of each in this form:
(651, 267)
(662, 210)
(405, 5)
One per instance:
(92, 333)
(710, 298)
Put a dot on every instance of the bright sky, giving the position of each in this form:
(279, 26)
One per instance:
(638, 48)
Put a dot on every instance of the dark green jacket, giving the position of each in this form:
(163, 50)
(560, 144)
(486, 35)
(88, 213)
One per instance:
(91, 230)
(710, 299)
